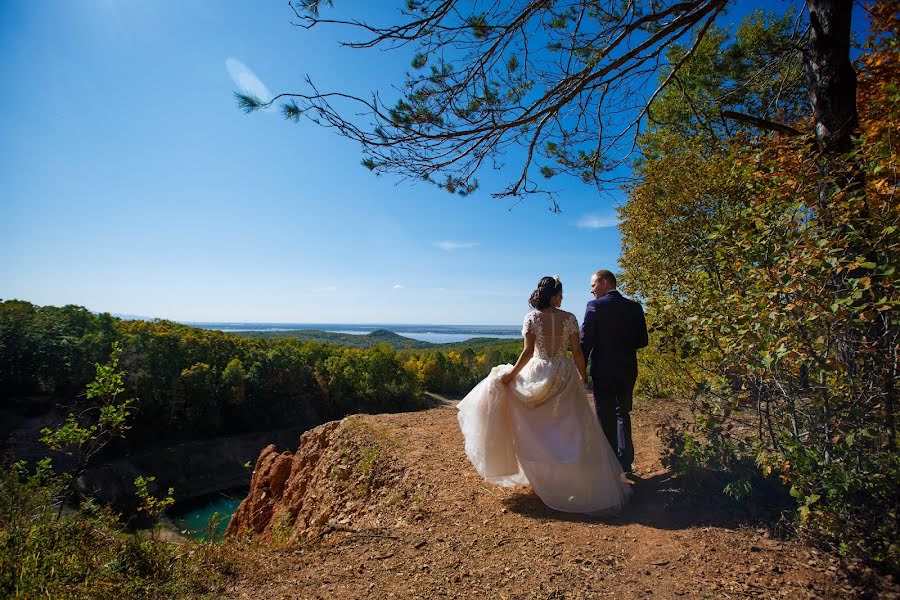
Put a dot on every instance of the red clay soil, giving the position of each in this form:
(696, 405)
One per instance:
(399, 512)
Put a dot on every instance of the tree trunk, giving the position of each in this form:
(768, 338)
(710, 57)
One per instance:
(831, 78)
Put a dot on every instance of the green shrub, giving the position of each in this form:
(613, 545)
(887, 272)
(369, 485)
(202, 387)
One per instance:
(86, 554)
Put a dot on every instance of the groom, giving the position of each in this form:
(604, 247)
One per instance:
(613, 329)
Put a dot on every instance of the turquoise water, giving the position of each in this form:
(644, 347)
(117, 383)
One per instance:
(196, 523)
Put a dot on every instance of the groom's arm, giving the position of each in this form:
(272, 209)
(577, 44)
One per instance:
(641, 324)
(588, 327)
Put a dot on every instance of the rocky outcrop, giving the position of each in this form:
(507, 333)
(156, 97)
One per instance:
(342, 472)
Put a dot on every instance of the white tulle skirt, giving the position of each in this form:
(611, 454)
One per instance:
(541, 430)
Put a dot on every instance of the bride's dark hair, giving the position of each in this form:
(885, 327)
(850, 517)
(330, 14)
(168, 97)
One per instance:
(546, 289)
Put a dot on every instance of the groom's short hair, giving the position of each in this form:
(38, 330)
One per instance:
(607, 275)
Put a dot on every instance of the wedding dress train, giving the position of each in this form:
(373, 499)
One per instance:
(541, 429)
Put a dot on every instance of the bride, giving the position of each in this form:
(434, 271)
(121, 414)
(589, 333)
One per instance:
(532, 423)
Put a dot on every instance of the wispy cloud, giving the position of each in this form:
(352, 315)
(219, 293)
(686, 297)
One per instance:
(597, 221)
(328, 289)
(246, 80)
(398, 286)
(448, 245)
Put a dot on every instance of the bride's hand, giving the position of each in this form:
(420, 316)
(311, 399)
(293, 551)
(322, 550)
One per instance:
(506, 378)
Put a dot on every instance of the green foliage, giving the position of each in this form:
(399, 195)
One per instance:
(200, 382)
(150, 505)
(479, 25)
(86, 555)
(756, 71)
(234, 379)
(709, 454)
(419, 61)
(768, 274)
(214, 526)
(364, 456)
(282, 528)
(101, 418)
(248, 102)
(311, 6)
(371, 381)
(49, 351)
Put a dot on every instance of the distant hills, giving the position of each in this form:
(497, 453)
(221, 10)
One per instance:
(379, 336)
(352, 340)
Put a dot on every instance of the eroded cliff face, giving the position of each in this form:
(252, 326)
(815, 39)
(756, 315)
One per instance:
(343, 475)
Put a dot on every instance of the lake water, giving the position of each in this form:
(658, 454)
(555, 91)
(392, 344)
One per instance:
(195, 523)
(436, 334)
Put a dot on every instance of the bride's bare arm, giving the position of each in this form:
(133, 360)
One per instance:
(527, 353)
(578, 356)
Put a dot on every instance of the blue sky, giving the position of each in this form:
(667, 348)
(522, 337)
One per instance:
(131, 183)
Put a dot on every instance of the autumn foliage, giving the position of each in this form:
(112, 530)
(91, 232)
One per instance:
(769, 272)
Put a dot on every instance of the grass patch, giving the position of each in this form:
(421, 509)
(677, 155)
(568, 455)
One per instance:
(87, 554)
(364, 454)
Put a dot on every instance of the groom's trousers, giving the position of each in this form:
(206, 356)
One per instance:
(613, 400)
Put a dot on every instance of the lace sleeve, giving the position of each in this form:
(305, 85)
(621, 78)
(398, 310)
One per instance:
(528, 324)
(571, 325)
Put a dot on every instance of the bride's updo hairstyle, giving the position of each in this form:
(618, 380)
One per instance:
(546, 289)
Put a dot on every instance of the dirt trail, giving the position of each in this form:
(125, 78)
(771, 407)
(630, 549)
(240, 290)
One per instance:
(460, 537)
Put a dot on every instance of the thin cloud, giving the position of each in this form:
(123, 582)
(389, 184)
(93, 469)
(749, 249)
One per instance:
(399, 287)
(246, 80)
(597, 221)
(448, 245)
(325, 290)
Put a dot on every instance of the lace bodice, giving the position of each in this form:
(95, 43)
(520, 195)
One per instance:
(551, 332)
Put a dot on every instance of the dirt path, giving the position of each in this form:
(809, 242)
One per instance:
(462, 538)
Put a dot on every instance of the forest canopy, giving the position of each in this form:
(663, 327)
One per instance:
(191, 383)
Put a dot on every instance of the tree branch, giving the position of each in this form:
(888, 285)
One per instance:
(761, 123)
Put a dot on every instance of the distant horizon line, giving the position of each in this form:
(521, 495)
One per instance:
(354, 324)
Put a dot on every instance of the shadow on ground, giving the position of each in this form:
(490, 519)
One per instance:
(666, 501)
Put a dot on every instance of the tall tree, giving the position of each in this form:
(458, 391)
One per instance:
(831, 76)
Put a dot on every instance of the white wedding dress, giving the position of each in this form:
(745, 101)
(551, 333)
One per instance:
(541, 429)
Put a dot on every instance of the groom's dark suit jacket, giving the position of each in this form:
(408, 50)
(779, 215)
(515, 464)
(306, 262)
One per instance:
(614, 328)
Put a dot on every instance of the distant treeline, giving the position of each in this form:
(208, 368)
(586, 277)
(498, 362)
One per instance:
(379, 336)
(193, 382)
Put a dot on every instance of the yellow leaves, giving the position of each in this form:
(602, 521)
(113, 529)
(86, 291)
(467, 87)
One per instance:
(882, 186)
